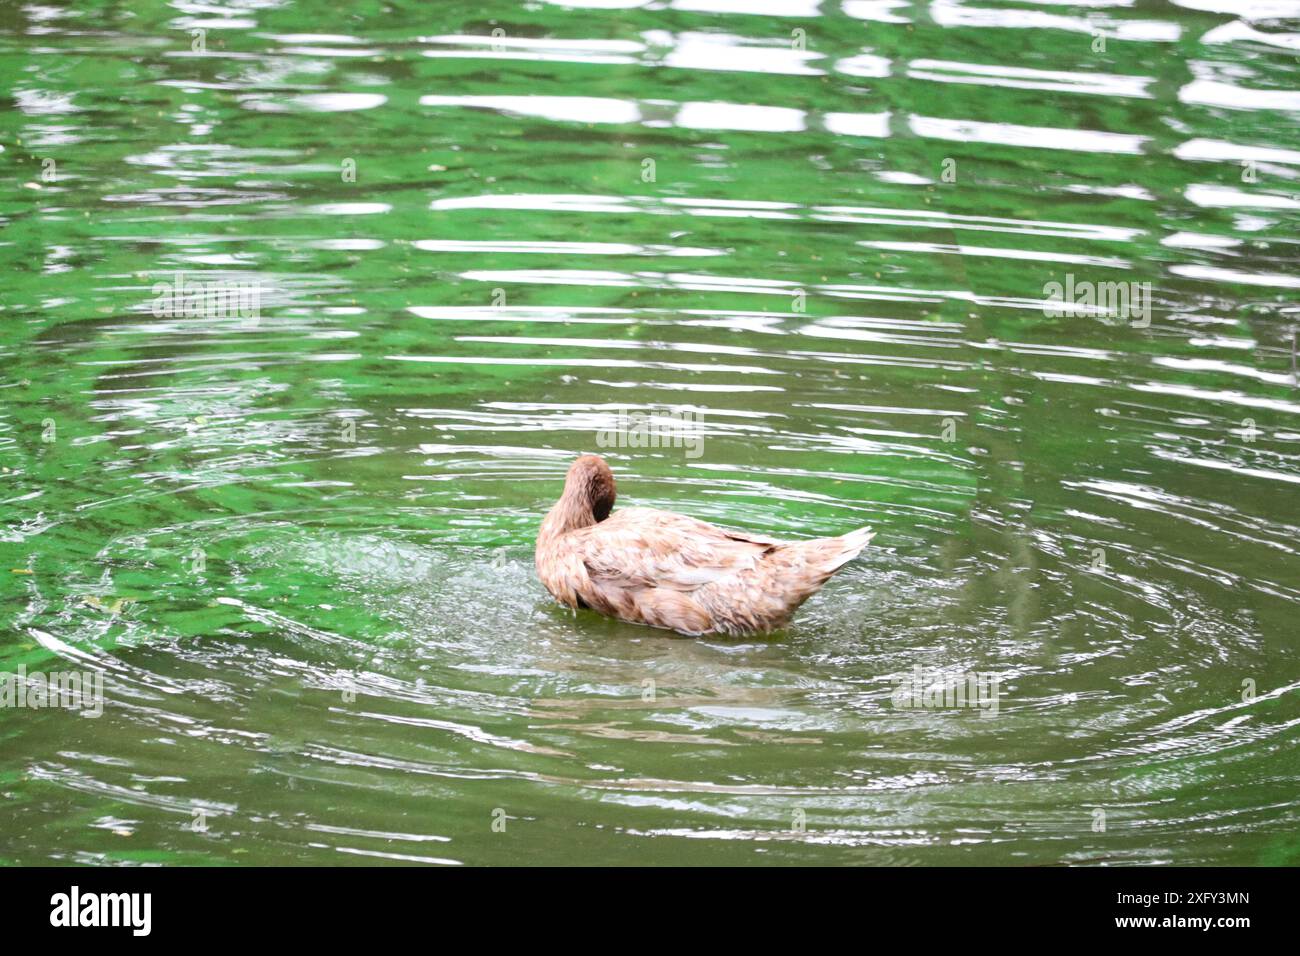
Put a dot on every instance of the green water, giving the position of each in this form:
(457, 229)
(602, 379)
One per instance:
(298, 544)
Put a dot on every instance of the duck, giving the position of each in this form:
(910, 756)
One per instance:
(672, 571)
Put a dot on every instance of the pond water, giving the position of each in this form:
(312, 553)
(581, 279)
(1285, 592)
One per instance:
(307, 307)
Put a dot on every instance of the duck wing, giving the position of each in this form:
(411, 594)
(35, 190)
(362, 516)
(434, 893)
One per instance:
(647, 548)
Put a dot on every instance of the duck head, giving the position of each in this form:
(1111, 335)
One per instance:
(590, 482)
(588, 498)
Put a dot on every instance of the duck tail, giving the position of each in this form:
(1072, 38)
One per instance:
(790, 574)
(840, 551)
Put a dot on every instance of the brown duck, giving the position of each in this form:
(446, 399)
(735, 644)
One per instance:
(655, 567)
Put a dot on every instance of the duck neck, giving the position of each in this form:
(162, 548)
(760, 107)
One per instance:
(570, 513)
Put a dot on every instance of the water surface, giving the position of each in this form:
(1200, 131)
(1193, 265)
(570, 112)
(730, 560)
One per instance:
(298, 545)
